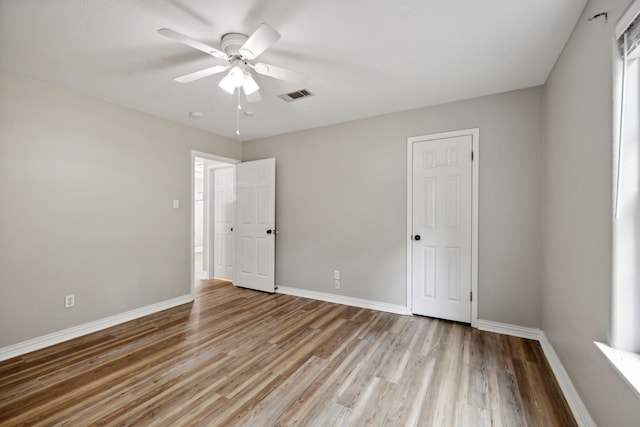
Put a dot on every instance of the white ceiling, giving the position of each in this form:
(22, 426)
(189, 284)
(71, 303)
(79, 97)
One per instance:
(364, 57)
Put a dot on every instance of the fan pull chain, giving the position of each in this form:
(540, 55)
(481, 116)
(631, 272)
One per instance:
(238, 108)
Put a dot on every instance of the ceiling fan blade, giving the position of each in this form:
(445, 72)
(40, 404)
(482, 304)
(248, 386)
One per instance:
(281, 73)
(253, 96)
(188, 78)
(181, 38)
(259, 41)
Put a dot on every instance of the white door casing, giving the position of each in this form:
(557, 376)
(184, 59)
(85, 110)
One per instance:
(207, 156)
(254, 265)
(223, 216)
(442, 211)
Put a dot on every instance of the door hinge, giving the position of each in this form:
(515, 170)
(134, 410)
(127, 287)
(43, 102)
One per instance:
(471, 296)
(472, 156)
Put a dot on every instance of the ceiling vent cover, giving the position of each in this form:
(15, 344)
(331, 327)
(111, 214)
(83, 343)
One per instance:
(294, 96)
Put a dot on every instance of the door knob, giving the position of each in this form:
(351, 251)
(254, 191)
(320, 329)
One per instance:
(416, 237)
(272, 231)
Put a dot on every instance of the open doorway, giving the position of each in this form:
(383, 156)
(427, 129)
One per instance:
(213, 204)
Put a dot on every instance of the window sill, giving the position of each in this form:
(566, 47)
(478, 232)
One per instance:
(626, 363)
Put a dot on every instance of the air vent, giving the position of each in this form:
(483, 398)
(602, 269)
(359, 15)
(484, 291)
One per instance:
(293, 96)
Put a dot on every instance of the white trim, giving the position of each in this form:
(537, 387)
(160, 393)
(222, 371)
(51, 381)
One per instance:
(192, 202)
(625, 363)
(209, 208)
(578, 409)
(409, 225)
(475, 199)
(341, 299)
(475, 196)
(627, 18)
(214, 157)
(207, 250)
(507, 329)
(88, 328)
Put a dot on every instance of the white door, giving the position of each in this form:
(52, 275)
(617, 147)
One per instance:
(441, 229)
(223, 223)
(255, 233)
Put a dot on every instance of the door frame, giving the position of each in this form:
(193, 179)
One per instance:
(192, 201)
(475, 166)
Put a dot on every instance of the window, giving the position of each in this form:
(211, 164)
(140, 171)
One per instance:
(626, 221)
(624, 349)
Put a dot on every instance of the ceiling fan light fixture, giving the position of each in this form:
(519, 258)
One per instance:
(236, 76)
(234, 79)
(250, 86)
(227, 85)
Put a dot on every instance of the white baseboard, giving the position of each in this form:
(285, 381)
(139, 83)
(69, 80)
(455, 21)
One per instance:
(341, 299)
(88, 328)
(506, 329)
(580, 412)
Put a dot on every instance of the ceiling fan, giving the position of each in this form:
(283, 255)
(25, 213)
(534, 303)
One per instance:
(239, 51)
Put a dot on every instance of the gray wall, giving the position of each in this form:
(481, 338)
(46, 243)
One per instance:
(341, 202)
(86, 193)
(576, 294)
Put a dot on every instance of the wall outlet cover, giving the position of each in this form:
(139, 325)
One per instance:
(69, 301)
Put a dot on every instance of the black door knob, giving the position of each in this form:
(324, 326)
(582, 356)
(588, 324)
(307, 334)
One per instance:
(416, 237)
(269, 231)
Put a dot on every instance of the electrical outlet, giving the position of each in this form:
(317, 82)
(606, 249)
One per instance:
(69, 301)
(336, 275)
(337, 284)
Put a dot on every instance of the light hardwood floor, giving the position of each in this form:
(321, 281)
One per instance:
(239, 357)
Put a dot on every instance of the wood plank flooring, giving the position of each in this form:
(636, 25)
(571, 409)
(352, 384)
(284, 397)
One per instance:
(239, 357)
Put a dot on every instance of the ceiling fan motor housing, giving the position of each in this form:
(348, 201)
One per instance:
(232, 42)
